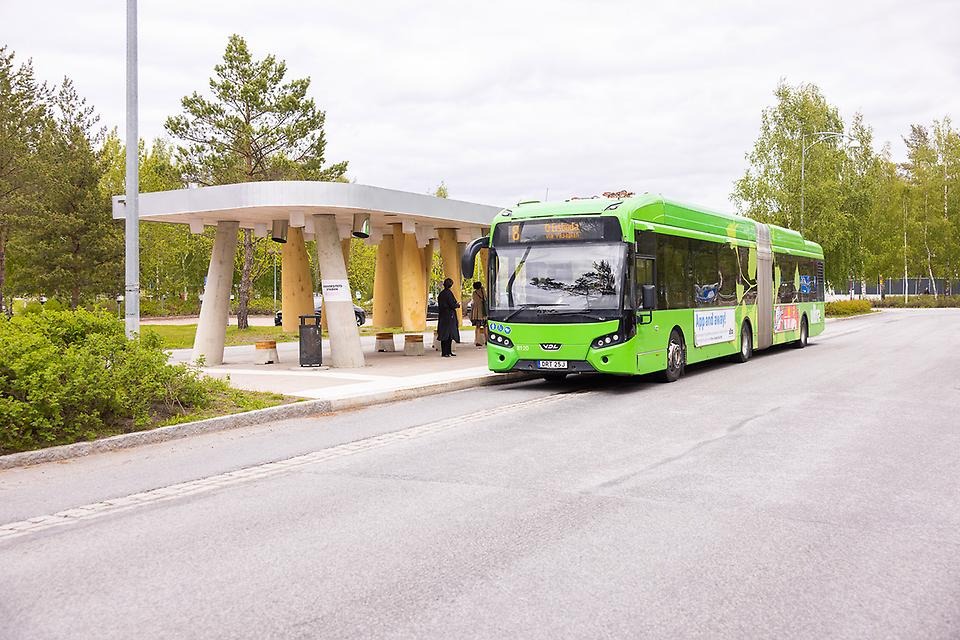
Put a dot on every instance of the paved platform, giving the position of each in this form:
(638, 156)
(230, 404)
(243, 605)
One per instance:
(383, 371)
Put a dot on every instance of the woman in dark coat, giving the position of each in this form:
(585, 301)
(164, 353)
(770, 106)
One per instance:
(447, 329)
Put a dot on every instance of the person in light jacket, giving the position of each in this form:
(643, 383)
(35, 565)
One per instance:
(478, 315)
(447, 329)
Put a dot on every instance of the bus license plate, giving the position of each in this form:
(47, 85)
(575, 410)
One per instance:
(553, 364)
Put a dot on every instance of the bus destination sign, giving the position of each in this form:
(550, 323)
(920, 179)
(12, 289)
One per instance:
(558, 230)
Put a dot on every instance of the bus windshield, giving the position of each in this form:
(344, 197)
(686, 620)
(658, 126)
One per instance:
(569, 282)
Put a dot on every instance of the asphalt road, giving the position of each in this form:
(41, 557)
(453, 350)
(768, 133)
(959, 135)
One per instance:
(806, 494)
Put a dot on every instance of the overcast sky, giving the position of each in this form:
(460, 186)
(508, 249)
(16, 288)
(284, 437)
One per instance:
(505, 100)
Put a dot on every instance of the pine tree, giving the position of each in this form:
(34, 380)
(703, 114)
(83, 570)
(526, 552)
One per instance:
(255, 127)
(23, 118)
(70, 246)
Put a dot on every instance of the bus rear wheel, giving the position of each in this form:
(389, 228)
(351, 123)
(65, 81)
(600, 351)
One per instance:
(804, 334)
(676, 358)
(746, 344)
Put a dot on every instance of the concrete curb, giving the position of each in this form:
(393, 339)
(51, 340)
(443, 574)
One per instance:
(246, 419)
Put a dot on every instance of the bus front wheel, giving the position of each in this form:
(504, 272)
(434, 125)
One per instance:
(804, 334)
(676, 357)
(746, 344)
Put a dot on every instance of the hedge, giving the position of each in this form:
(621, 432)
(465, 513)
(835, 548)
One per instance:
(847, 307)
(918, 302)
(70, 376)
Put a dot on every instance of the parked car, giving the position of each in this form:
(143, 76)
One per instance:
(433, 310)
(358, 313)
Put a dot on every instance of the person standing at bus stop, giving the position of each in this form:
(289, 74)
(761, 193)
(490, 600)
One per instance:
(447, 329)
(478, 314)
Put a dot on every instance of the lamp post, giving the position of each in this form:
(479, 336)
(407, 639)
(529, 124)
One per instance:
(819, 136)
(132, 215)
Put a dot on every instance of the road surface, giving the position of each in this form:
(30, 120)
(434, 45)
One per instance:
(809, 493)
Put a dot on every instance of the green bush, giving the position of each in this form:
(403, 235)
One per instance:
(71, 376)
(847, 307)
(257, 306)
(919, 302)
(173, 306)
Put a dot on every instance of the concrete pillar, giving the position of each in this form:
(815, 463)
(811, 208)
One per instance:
(450, 255)
(344, 334)
(215, 309)
(386, 289)
(411, 278)
(297, 282)
(345, 249)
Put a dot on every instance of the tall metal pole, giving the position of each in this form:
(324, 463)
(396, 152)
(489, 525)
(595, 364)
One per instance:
(132, 248)
(803, 159)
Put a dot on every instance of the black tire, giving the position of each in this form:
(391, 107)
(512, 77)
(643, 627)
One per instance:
(746, 344)
(804, 334)
(676, 357)
(359, 319)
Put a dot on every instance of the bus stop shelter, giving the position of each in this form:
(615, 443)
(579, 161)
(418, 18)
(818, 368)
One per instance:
(406, 228)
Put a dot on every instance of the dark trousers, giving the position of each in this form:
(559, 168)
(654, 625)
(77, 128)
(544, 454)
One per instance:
(445, 347)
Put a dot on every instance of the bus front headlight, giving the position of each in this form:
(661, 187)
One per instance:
(609, 340)
(499, 340)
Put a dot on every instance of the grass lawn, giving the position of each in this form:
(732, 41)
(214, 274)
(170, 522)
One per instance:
(227, 400)
(180, 336)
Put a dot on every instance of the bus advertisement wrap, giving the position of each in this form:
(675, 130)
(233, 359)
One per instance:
(712, 327)
(787, 318)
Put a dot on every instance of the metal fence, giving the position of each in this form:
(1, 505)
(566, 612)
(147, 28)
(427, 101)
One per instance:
(896, 286)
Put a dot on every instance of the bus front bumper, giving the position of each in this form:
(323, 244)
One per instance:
(618, 359)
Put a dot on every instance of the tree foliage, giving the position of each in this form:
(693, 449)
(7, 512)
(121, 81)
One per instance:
(254, 126)
(874, 219)
(69, 245)
(23, 122)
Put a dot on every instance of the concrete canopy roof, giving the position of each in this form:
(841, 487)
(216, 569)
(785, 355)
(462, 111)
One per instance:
(256, 204)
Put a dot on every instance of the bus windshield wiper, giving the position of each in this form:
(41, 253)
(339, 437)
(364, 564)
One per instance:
(513, 276)
(584, 313)
(532, 305)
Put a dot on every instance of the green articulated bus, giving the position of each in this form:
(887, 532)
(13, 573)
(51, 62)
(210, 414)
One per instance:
(641, 285)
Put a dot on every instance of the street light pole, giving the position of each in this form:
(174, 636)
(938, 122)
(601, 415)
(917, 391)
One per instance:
(819, 136)
(132, 227)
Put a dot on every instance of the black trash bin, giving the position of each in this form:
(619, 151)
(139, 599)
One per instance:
(311, 352)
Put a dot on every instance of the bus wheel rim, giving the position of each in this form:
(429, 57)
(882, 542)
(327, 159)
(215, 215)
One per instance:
(674, 353)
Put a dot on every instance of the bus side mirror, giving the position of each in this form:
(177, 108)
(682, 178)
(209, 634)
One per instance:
(648, 295)
(469, 256)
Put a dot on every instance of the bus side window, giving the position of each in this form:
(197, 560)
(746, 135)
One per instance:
(644, 264)
(644, 275)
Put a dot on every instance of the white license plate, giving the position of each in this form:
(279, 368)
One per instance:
(552, 364)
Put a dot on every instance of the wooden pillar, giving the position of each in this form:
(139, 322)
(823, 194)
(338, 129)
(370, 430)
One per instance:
(410, 277)
(484, 265)
(426, 257)
(386, 288)
(297, 282)
(450, 255)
